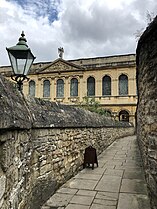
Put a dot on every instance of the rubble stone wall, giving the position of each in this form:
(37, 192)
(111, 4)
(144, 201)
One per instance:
(35, 162)
(42, 145)
(147, 106)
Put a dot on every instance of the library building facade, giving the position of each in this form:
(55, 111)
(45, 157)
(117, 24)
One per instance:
(111, 81)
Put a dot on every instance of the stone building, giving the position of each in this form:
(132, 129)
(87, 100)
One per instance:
(109, 80)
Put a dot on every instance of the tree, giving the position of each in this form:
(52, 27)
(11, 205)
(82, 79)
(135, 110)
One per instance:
(93, 106)
(149, 18)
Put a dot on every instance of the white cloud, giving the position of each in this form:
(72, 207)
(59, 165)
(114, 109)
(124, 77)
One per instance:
(84, 28)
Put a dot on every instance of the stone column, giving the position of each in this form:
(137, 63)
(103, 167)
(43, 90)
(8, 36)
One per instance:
(98, 87)
(39, 89)
(53, 89)
(81, 89)
(114, 87)
(132, 86)
(66, 89)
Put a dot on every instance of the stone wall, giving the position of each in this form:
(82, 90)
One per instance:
(147, 105)
(42, 145)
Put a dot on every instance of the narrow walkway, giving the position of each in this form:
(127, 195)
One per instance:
(118, 182)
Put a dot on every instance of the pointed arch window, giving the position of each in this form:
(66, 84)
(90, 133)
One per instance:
(46, 88)
(60, 88)
(73, 87)
(123, 85)
(32, 88)
(106, 86)
(91, 86)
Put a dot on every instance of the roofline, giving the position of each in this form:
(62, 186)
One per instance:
(88, 58)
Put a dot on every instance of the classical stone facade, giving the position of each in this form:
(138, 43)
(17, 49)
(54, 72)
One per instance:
(42, 145)
(147, 105)
(109, 80)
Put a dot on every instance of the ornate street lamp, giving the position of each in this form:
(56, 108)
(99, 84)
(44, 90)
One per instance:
(21, 59)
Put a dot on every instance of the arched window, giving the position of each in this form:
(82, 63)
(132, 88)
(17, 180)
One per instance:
(91, 86)
(32, 88)
(73, 87)
(106, 86)
(123, 116)
(123, 85)
(46, 88)
(60, 88)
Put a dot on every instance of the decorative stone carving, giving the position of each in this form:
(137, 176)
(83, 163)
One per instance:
(60, 66)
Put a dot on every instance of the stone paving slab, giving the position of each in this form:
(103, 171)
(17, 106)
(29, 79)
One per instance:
(114, 172)
(118, 182)
(67, 190)
(129, 167)
(108, 166)
(115, 163)
(97, 206)
(86, 193)
(105, 202)
(88, 176)
(82, 200)
(81, 184)
(129, 174)
(109, 183)
(133, 186)
(107, 195)
(95, 171)
(76, 206)
(133, 201)
(59, 199)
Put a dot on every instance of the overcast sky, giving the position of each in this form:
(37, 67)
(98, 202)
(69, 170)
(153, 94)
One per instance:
(84, 28)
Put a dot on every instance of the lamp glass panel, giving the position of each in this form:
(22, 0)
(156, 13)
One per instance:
(29, 62)
(13, 62)
(21, 66)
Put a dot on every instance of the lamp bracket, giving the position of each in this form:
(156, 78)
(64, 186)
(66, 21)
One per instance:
(19, 80)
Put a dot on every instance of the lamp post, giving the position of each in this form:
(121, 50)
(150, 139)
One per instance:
(21, 59)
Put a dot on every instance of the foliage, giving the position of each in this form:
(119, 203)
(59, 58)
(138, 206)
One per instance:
(149, 18)
(93, 106)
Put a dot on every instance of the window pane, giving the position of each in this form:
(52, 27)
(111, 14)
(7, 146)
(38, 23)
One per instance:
(106, 88)
(46, 88)
(124, 116)
(60, 88)
(90, 86)
(74, 87)
(123, 85)
(32, 88)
